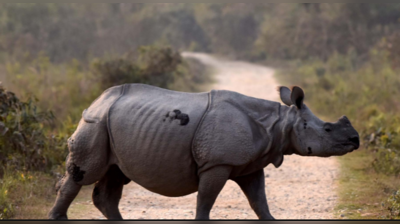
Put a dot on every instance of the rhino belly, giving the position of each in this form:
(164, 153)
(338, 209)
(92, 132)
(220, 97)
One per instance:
(152, 132)
(166, 174)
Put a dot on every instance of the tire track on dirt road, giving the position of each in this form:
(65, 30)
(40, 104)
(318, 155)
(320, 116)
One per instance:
(302, 188)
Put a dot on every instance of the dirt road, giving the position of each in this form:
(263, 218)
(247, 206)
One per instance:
(302, 188)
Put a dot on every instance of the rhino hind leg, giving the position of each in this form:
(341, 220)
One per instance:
(253, 186)
(87, 162)
(108, 191)
(67, 190)
(211, 183)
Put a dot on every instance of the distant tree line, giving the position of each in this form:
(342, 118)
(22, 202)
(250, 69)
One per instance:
(254, 31)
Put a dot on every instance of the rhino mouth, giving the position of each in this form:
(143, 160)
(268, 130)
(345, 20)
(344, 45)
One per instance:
(350, 146)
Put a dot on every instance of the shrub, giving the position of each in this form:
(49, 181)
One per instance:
(387, 158)
(6, 206)
(155, 66)
(23, 143)
(393, 205)
(158, 66)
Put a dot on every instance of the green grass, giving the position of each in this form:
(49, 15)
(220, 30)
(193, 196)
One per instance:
(363, 192)
(29, 195)
(32, 195)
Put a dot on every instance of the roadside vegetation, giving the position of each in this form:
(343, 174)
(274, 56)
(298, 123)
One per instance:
(55, 59)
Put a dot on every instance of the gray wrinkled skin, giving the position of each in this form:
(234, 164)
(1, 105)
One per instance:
(175, 144)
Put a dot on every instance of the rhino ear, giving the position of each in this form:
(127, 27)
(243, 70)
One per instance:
(285, 93)
(297, 96)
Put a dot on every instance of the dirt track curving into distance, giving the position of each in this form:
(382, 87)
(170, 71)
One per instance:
(302, 188)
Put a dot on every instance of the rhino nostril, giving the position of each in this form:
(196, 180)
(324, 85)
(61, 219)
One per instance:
(355, 140)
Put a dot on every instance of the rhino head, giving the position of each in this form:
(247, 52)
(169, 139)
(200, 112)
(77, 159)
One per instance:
(310, 136)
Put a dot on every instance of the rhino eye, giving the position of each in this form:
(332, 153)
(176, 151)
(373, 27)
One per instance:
(328, 130)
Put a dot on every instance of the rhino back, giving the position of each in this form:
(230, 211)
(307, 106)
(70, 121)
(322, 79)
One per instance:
(97, 112)
(151, 131)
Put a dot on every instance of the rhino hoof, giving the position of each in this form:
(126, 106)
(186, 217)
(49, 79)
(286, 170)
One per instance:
(53, 216)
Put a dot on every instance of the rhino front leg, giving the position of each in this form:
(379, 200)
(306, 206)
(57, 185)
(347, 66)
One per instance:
(211, 183)
(253, 186)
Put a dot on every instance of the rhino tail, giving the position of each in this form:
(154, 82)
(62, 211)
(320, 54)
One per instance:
(88, 119)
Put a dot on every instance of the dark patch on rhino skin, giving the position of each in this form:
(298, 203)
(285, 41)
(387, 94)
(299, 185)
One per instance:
(178, 115)
(76, 172)
(309, 151)
(181, 116)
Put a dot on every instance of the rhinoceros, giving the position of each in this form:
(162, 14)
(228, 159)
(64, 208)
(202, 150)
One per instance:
(175, 143)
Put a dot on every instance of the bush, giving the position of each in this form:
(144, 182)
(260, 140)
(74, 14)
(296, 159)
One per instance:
(158, 66)
(393, 203)
(387, 158)
(6, 206)
(23, 144)
(25, 148)
(153, 65)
